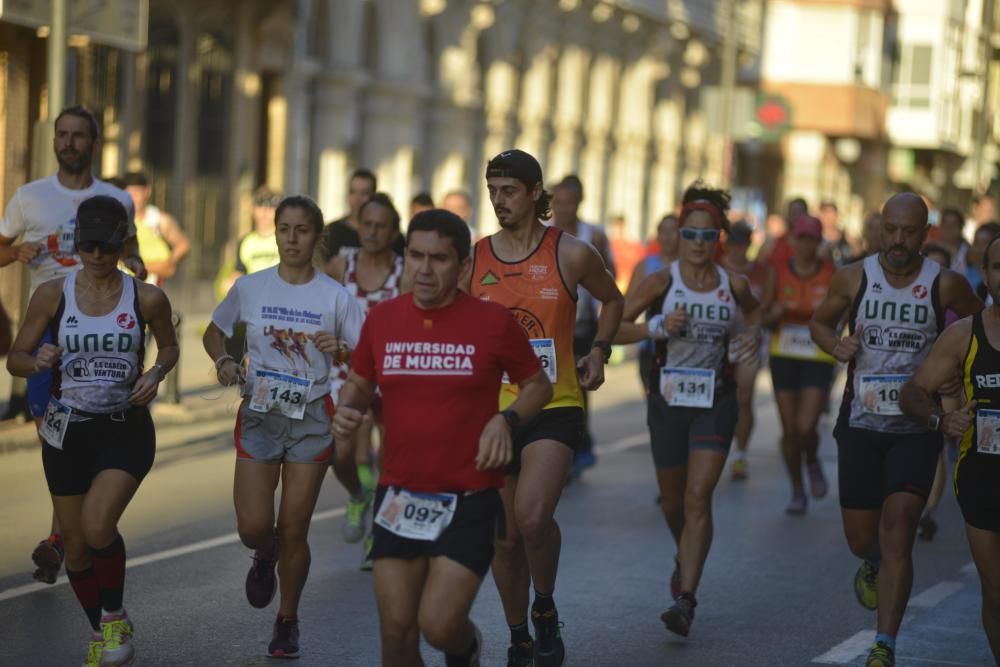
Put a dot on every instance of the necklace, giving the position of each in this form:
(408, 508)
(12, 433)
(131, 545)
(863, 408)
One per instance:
(101, 296)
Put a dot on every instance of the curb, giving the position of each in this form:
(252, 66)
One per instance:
(193, 410)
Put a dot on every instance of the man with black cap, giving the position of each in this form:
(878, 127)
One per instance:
(534, 270)
(42, 214)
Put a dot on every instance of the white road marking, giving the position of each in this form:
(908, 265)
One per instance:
(622, 444)
(194, 547)
(619, 445)
(935, 594)
(847, 650)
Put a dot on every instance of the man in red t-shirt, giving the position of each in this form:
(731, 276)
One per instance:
(438, 356)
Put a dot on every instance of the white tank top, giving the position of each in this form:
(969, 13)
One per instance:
(102, 355)
(711, 322)
(898, 328)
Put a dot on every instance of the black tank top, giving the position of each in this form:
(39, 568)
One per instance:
(982, 383)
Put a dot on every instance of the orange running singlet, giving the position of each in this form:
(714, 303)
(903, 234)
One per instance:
(801, 297)
(534, 290)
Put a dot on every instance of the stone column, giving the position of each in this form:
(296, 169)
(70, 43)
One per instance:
(663, 180)
(244, 151)
(298, 82)
(537, 88)
(804, 156)
(603, 91)
(570, 107)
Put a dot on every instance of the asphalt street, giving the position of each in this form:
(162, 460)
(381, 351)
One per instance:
(777, 590)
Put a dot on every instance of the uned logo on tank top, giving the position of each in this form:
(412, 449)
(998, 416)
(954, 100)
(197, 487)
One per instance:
(919, 292)
(724, 296)
(126, 321)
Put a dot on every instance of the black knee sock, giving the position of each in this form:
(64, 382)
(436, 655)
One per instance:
(84, 584)
(519, 634)
(109, 564)
(543, 602)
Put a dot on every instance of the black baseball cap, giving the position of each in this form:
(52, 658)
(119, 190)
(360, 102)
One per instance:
(102, 219)
(515, 164)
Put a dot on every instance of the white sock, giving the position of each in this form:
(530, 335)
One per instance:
(120, 612)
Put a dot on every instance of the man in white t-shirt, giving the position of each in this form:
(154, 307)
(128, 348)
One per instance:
(42, 214)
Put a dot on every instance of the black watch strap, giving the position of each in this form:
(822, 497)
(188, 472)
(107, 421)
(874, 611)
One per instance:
(605, 347)
(513, 419)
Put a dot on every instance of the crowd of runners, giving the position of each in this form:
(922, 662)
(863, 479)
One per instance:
(444, 381)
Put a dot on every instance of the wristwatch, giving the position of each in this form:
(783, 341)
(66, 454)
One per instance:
(605, 347)
(934, 422)
(513, 420)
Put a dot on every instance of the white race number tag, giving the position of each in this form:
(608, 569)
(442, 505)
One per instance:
(286, 392)
(54, 423)
(794, 340)
(880, 394)
(545, 350)
(417, 516)
(688, 387)
(988, 431)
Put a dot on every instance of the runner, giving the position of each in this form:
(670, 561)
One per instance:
(971, 349)
(952, 239)
(162, 242)
(801, 373)
(667, 240)
(734, 260)
(566, 198)
(99, 441)
(897, 301)
(691, 406)
(535, 270)
(438, 352)
(372, 274)
(43, 214)
(342, 235)
(257, 250)
(297, 321)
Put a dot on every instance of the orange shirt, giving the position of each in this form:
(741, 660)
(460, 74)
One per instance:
(801, 297)
(534, 291)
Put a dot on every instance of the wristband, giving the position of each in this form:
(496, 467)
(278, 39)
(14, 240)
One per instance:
(513, 419)
(605, 348)
(221, 360)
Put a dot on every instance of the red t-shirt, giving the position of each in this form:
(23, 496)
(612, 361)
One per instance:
(439, 372)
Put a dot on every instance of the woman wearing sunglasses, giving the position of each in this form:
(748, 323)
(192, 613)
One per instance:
(98, 436)
(691, 405)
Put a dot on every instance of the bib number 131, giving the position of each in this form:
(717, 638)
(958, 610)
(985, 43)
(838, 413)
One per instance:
(688, 387)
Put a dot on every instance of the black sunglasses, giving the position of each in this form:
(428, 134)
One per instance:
(106, 248)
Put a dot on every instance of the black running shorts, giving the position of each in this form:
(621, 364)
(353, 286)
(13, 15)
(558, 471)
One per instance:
(977, 487)
(873, 465)
(468, 540)
(797, 374)
(674, 431)
(100, 444)
(564, 425)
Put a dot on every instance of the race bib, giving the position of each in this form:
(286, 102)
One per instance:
(688, 387)
(880, 394)
(988, 432)
(54, 423)
(416, 516)
(794, 340)
(545, 350)
(286, 392)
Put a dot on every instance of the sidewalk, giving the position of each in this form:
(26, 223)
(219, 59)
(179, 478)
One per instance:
(202, 400)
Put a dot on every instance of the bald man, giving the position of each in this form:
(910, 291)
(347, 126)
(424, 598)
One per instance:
(897, 300)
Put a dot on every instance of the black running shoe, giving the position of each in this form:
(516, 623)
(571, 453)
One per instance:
(521, 655)
(284, 639)
(549, 648)
(262, 584)
(680, 616)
